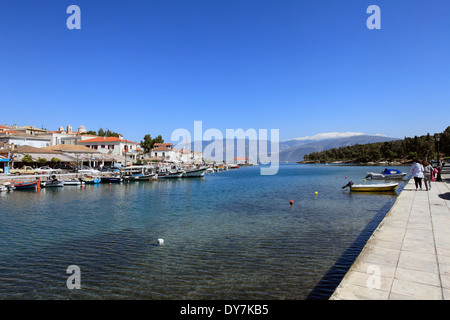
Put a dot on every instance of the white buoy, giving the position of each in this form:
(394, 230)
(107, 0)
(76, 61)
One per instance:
(161, 242)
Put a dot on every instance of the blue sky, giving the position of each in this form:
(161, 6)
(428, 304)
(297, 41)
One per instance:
(303, 67)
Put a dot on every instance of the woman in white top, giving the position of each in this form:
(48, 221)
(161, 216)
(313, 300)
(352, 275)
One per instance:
(417, 173)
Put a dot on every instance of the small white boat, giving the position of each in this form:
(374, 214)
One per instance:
(170, 173)
(375, 187)
(386, 174)
(7, 186)
(195, 172)
(72, 182)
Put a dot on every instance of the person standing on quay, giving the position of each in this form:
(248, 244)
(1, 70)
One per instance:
(417, 173)
(427, 172)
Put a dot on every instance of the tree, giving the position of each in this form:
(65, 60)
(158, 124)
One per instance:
(147, 143)
(27, 159)
(101, 132)
(55, 161)
(90, 132)
(41, 161)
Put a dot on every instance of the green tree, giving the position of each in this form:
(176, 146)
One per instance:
(101, 132)
(41, 161)
(90, 132)
(27, 159)
(55, 161)
(147, 143)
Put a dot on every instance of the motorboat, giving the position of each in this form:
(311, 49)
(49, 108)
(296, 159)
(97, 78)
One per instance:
(195, 172)
(52, 182)
(7, 186)
(170, 173)
(140, 177)
(375, 187)
(111, 180)
(386, 174)
(72, 182)
(138, 173)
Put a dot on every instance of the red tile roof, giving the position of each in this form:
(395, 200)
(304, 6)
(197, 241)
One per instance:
(105, 139)
(163, 144)
(160, 149)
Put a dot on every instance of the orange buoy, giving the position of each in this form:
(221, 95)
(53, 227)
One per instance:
(292, 202)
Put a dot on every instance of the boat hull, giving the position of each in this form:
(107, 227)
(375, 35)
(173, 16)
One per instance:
(380, 176)
(170, 175)
(139, 177)
(196, 173)
(111, 180)
(27, 186)
(52, 184)
(374, 188)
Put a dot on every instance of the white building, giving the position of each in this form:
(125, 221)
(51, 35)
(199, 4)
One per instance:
(166, 152)
(24, 139)
(113, 146)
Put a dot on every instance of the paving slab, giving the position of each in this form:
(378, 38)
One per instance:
(408, 255)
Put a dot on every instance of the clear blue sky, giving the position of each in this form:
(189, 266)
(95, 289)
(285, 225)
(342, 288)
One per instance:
(153, 66)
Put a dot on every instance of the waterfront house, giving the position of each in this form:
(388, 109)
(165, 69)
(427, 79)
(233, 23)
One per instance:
(114, 146)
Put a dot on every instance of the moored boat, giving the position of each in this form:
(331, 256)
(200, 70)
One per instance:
(7, 186)
(26, 185)
(111, 180)
(138, 173)
(52, 182)
(195, 172)
(90, 180)
(170, 173)
(386, 174)
(378, 187)
(72, 182)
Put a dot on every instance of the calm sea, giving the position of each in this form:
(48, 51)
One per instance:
(230, 235)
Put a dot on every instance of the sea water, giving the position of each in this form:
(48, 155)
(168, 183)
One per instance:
(229, 235)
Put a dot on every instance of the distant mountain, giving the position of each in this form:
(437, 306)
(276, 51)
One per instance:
(294, 150)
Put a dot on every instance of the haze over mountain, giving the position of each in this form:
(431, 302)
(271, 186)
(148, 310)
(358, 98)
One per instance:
(293, 150)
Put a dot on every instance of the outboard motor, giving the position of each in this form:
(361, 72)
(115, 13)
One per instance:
(348, 185)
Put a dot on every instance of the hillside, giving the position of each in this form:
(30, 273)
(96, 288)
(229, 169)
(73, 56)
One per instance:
(293, 150)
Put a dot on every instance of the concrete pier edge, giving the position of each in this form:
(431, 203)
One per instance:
(408, 255)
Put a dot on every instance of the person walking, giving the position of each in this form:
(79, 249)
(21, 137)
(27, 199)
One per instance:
(417, 173)
(427, 172)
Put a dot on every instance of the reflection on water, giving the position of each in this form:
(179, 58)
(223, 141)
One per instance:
(230, 235)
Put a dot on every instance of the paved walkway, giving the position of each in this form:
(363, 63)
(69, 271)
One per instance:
(408, 255)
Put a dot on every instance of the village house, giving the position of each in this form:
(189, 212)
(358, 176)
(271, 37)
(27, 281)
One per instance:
(166, 152)
(113, 146)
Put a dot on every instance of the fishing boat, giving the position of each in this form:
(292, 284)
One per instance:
(378, 187)
(72, 182)
(195, 172)
(52, 182)
(138, 173)
(386, 174)
(26, 185)
(170, 173)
